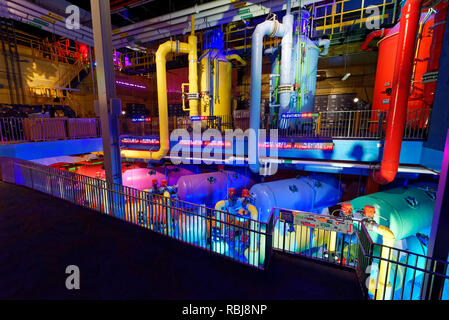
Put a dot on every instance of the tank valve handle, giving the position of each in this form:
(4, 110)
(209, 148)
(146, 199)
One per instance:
(346, 208)
(245, 193)
(231, 192)
(211, 179)
(369, 211)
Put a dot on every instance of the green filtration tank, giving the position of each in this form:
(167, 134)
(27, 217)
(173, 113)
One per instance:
(404, 210)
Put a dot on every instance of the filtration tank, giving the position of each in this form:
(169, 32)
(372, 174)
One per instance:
(310, 194)
(405, 210)
(215, 77)
(209, 188)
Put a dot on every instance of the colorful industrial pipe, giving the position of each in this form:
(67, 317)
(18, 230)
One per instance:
(270, 28)
(189, 48)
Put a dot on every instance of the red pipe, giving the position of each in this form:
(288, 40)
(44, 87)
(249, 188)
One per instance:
(375, 34)
(401, 90)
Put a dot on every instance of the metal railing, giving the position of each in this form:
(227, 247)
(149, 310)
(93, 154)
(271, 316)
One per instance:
(17, 130)
(236, 237)
(359, 124)
(404, 271)
(356, 124)
(336, 16)
(313, 242)
(240, 238)
(406, 274)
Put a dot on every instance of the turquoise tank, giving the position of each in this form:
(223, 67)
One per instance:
(404, 210)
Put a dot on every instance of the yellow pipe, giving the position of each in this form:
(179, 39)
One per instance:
(167, 197)
(193, 69)
(332, 241)
(388, 240)
(219, 206)
(236, 57)
(189, 48)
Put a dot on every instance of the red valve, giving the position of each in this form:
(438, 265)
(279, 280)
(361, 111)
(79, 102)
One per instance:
(346, 207)
(154, 182)
(369, 211)
(245, 193)
(231, 192)
(164, 183)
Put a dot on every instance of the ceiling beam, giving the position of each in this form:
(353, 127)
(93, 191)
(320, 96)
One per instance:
(207, 15)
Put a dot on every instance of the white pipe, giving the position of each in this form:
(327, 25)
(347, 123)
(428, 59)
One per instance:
(272, 28)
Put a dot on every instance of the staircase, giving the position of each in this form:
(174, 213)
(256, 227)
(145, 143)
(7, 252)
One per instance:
(11, 60)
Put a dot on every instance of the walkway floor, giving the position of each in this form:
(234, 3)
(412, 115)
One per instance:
(41, 235)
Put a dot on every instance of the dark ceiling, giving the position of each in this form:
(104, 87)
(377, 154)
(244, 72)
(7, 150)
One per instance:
(125, 12)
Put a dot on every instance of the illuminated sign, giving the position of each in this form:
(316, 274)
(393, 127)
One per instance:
(205, 143)
(155, 141)
(319, 221)
(200, 118)
(299, 115)
(325, 146)
(142, 119)
(145, 141)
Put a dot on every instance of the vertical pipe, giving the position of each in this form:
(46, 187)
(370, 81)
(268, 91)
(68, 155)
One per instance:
(272, 28)
(193, 70)
(286, 62)
(401, 90)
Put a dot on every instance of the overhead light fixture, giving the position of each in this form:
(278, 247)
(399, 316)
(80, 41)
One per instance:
(345, 77)
(356, 100)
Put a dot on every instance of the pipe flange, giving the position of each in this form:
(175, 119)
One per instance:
(285, 88)
(193, 96)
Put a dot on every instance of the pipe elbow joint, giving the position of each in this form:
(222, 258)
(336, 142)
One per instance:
(387, 173)
(220, 205)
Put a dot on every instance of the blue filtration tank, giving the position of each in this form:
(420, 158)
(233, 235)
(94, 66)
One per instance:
(209, 188)
(404, 210)
(310, 194)
(304, 68)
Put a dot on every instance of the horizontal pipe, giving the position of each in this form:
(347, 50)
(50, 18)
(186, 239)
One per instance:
(323, 163)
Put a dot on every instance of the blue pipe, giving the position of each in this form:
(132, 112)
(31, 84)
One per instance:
(265, 28)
